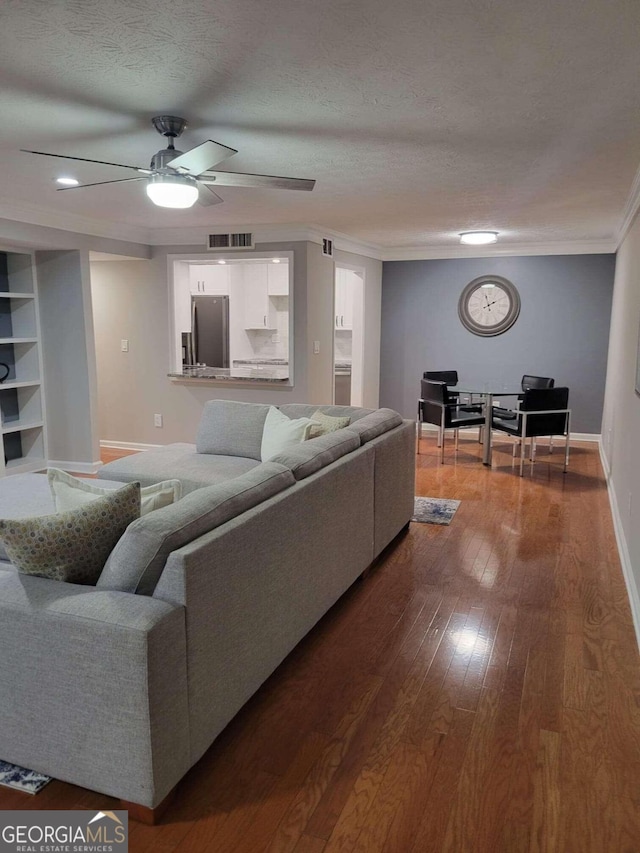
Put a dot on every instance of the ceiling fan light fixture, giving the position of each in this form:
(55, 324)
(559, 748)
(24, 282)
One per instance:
(177, 191)
(478, 238)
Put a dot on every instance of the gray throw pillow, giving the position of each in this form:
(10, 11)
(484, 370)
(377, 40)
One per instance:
(71, 546)
(229, 428)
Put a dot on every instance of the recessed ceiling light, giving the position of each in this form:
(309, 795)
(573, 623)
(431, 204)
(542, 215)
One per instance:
(222, 262)
(275, 260)
(67, 182)
(478, 238)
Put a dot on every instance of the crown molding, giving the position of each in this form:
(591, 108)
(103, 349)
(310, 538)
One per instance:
(423, 253)
(630, 209)
(295, 232)
(33, 215)
(287, 233)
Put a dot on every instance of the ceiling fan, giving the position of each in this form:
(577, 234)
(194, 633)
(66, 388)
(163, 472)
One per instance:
(177, 179)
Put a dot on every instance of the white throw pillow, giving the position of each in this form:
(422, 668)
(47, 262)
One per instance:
(74, 492)
(281, 432)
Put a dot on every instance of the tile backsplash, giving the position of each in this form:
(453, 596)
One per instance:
(262, 341)
(343, 345)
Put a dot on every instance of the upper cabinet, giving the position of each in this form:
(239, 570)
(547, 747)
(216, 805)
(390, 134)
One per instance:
(211, 279)
(259, 310)
(344, 300)
(22, 430)
(278, 279)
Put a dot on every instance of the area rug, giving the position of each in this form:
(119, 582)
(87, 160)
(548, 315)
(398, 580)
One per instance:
(434, 510)
(20, 779)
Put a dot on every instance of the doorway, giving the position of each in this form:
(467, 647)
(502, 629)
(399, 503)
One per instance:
(348, 335)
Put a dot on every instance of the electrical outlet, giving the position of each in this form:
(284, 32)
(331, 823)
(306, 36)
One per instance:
(157, 420)
(124, 345)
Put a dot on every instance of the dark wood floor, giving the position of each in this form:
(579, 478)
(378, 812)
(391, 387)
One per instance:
(478, 692)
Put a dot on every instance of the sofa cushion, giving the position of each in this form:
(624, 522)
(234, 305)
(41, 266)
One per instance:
(70, 492)
(325, 424)
(71, 546)
(375, 423)
(282, 433)
(312, 455)
(179, 461)
(306, 410)
(138, 559)
(229, 428)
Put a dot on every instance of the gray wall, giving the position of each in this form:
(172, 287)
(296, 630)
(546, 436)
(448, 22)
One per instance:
(562, 330)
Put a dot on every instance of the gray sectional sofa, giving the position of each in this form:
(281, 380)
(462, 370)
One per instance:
(122, 687)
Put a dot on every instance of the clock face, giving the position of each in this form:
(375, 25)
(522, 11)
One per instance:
(489, 305)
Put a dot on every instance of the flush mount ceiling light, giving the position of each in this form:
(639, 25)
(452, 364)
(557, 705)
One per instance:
(221, 261)
(275, 260)
(177, 191)
(67, 182)
(478, 238)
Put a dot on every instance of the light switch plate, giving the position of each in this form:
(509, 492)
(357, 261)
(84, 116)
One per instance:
(124, 345)
(316, 347)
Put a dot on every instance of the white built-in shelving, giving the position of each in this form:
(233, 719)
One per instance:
(22, 410)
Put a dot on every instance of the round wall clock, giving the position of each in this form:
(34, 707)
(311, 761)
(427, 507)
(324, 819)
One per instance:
(489, 305)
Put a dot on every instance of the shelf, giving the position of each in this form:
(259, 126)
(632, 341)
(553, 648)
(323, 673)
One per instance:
(18, 340)
(24, 465)
(18, 426)
(25, 383)
(8, 294)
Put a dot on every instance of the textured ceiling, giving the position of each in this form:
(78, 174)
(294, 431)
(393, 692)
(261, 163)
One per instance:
(417, 119)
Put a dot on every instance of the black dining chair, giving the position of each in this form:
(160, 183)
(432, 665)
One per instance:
(526, 382)
(437, 406)
(542, 412)
(450, 378)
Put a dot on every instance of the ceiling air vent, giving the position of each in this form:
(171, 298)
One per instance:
(230, 241)
(327, 247)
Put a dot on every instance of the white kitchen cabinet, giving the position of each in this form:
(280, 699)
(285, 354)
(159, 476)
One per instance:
(22, 411)
(278, 279)
(344, 300)
(259, 310)
(211, 279)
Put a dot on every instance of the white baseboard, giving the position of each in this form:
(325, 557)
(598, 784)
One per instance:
(75, 467)
(623, 550)
(128, 445)
(472, 431)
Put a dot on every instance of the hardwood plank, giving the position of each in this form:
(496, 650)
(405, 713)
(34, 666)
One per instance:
(478, 691)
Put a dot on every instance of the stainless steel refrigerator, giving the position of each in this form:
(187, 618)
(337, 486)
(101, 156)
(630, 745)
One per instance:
(209, 331)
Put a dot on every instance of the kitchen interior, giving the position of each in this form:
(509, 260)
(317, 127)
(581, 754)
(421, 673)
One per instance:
(347, 339)
(233, 321)
(233, 318)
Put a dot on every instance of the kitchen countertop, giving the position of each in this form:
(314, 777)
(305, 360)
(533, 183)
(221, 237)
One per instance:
(258, 374)
(274, 361)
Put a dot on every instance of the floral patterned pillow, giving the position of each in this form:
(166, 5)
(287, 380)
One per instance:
(71, 546)
(325, 423)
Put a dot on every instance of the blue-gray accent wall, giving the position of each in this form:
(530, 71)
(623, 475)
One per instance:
(562, 330)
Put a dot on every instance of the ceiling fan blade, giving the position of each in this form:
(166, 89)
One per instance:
(241, 179)
(201, 158)
(85, 160)
(207, 197)
(100, 184)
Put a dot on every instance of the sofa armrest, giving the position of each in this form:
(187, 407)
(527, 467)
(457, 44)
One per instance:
(96, 687)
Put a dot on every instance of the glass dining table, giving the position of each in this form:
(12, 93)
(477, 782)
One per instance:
(488, 392)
